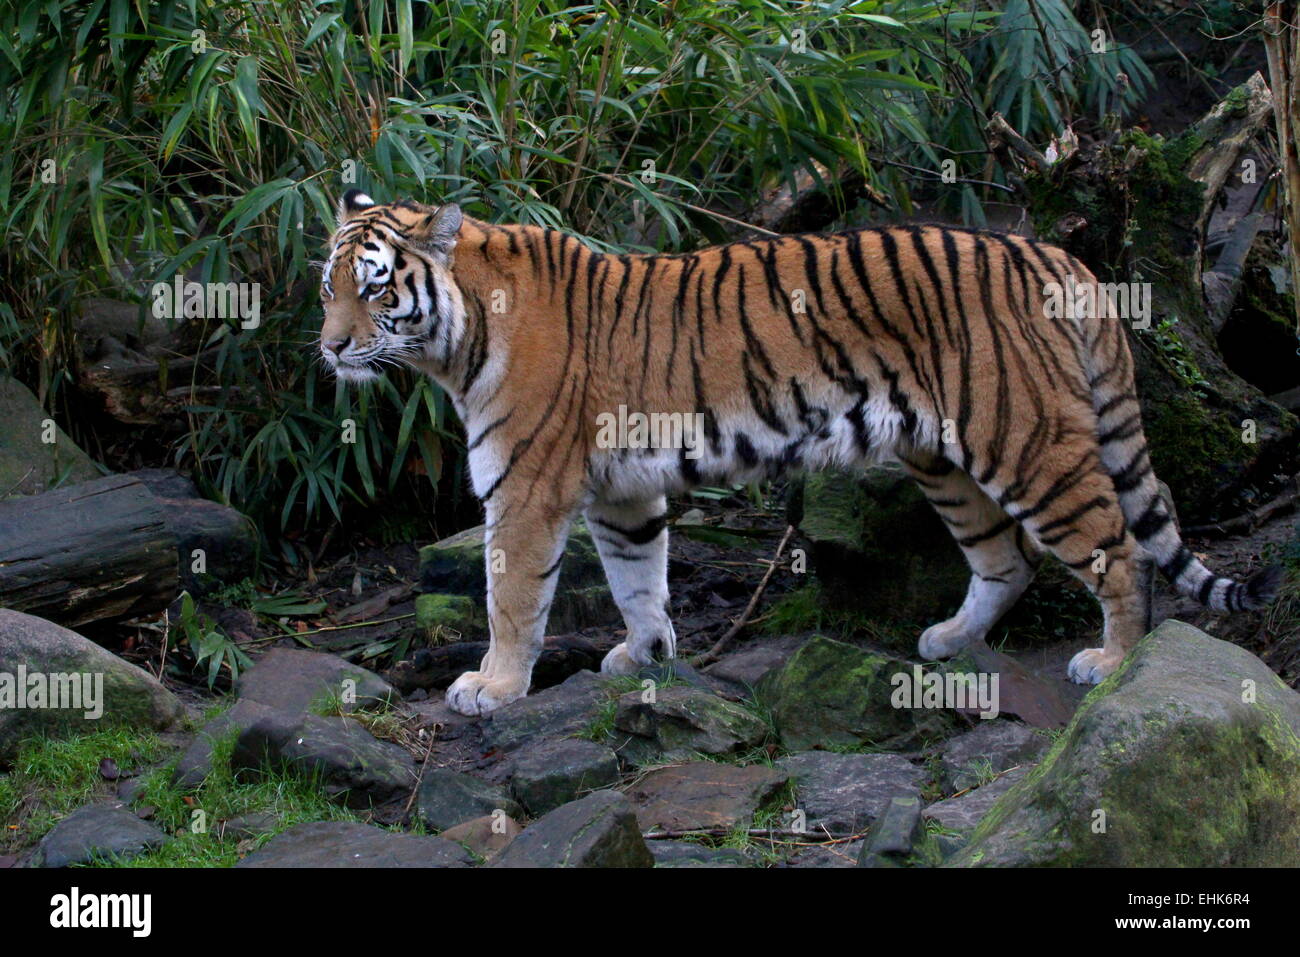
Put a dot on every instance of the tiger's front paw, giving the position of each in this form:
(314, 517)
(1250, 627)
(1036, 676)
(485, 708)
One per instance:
(620, 661)
(476, 693)
(1092, 665)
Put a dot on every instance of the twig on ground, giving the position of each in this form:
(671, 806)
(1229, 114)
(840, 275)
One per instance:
(1250, 520)
(725, 641)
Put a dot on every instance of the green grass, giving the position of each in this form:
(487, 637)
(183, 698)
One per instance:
(51, 777)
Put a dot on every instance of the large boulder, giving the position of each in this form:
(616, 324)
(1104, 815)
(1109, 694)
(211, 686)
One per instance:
(878, 547)
(28, 463)
(1187, 756)
(457, 566)
(295, 679)
(53, 681)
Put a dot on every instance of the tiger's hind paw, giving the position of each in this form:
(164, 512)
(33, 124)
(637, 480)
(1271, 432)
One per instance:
(1092, 666)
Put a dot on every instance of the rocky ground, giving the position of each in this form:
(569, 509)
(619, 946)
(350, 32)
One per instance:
(335, 747)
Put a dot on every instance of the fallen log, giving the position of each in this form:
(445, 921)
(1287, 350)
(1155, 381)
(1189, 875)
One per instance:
(94, 551)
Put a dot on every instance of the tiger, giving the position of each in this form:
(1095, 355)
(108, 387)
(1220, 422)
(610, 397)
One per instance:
(930, 346)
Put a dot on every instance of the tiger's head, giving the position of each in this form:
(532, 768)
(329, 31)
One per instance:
(387, 287)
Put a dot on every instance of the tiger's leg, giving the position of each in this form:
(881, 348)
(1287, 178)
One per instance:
(523, 563)
(1074, 513)
(1001, 556)
(632, 540)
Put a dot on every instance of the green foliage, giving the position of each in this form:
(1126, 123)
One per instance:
(207, 644)
(209, 138)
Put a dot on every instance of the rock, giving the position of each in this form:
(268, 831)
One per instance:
(844, 793)
(878, 547)
(294, 680)
(28, 464)
(831, 694)
(97, 832)
(1188, 756)
(962, 813)
(248, 826)
(702, 795)
(457, 566)
(194, 766)
(448, 798)
(565, 710)
(351, 764)
(556, 772)
(745, 669)
(689, 854)
(680, 722)
(599, 830)
(450, 617)
(347, 844)
(894, 834)
(226, 537)
(34, 651)
(989, 748)
(486, 836)
(1038, 701)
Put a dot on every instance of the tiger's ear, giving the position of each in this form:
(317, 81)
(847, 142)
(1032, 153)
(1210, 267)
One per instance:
(354, 201)
(437, 232)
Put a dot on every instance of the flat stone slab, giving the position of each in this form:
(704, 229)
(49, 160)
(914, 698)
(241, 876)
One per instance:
(702, 795)
(690, 854)
(552, 773)
(348, 844)
(485, 836)
(845, 793)
(989, 748)
(599, 830)
(294, 679)
(448, 798)
(353, 765)
(682, 721)
(559, 712)
(963, 812)
(94, 832)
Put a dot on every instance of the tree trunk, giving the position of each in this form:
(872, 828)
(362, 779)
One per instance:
(94, 551)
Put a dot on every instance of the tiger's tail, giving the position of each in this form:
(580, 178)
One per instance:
(1126, 457)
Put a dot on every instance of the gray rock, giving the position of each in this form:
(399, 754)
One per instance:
(702, 795)
(745, 669)
(989, 748)
(96, 832)
(962, 813)
(1188, 756)
(485, 836)
(894, 834)
(562, 711)
(832, 694)
(294, 679)
(448, 798)
(28, 465)
(33, 650)
(599, 830)
(347, 844)
(844, 793)
(552, 773)
(680, 722)
(194, 766)
(689, 854)
(351, 764)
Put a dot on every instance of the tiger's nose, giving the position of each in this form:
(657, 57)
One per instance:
(335, 346)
